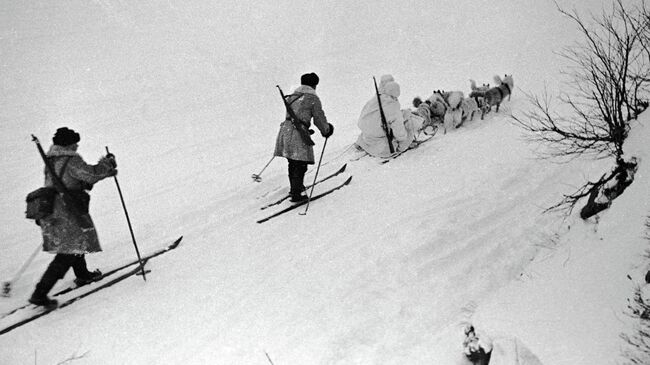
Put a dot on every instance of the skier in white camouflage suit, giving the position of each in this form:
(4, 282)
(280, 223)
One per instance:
(290, 144)
(65, 233)
(373, 138)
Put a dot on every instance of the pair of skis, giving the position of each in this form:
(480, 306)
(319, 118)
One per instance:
(29, 312)
(316, 197)
(415, 145)
(279, 201)
(337, 187)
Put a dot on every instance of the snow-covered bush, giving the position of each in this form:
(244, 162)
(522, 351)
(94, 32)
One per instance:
(609, 188)
(637, 350)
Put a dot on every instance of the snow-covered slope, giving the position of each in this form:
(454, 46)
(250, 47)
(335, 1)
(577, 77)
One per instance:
(384, 271)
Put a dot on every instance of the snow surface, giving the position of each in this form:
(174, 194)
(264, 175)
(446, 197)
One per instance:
(384, 271)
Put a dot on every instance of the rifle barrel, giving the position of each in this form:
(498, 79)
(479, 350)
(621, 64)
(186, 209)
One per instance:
(384, 123)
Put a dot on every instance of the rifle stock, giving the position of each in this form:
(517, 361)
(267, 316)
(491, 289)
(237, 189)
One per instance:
(384, 123)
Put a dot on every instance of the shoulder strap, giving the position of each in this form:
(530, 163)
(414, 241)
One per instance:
(57, 178)
(297, 96)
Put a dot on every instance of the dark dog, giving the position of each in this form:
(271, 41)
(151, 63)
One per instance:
(495, 95)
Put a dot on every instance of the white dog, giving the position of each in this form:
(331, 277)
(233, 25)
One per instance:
(453, 118)
(437, 96)
(454, 98)
(454, 114)
(469, 106)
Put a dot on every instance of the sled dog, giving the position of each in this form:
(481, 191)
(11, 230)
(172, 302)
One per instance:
(454, 99)
(454, 114)
(438, 106)
(507, 79)
(482, 88)
(469, 106)
(437, 96)
(495, 95)
(453, 118)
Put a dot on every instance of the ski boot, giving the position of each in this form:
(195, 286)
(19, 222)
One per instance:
(43, 301)
(89, 278)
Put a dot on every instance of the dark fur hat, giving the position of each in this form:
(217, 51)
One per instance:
(65, 137)
(310, 79)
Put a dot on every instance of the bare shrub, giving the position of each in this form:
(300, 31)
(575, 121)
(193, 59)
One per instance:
(609, 73)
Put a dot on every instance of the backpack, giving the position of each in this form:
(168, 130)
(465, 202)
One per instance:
(40, 202)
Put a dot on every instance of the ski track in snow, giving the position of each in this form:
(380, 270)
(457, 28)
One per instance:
(384, 271)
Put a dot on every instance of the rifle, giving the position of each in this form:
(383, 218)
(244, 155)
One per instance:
(70, 200)
(384, 124)
(300, 126)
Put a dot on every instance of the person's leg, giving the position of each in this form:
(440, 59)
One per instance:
(297, 170)
(81, 270)
(55, 271)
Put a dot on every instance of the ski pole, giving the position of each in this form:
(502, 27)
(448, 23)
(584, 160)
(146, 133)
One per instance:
(269, 357)
(128, 221)
(6, 286)
(258, 177)
(315, 176)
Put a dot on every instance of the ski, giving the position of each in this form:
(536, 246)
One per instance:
(339, 171)
(113, 271)
(40, 311)
(294, 206)
(106, 274)
(397, 154)
(360, 154)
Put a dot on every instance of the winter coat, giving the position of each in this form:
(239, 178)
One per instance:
(62, 232)
(307, 106)
(373, 138)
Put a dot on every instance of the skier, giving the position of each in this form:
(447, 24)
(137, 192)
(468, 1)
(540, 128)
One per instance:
(373, 137)
(306, 105)
(63, 232)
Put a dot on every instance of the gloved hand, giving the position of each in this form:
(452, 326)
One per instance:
(110, 158)
(113, 172)
(331, 131)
